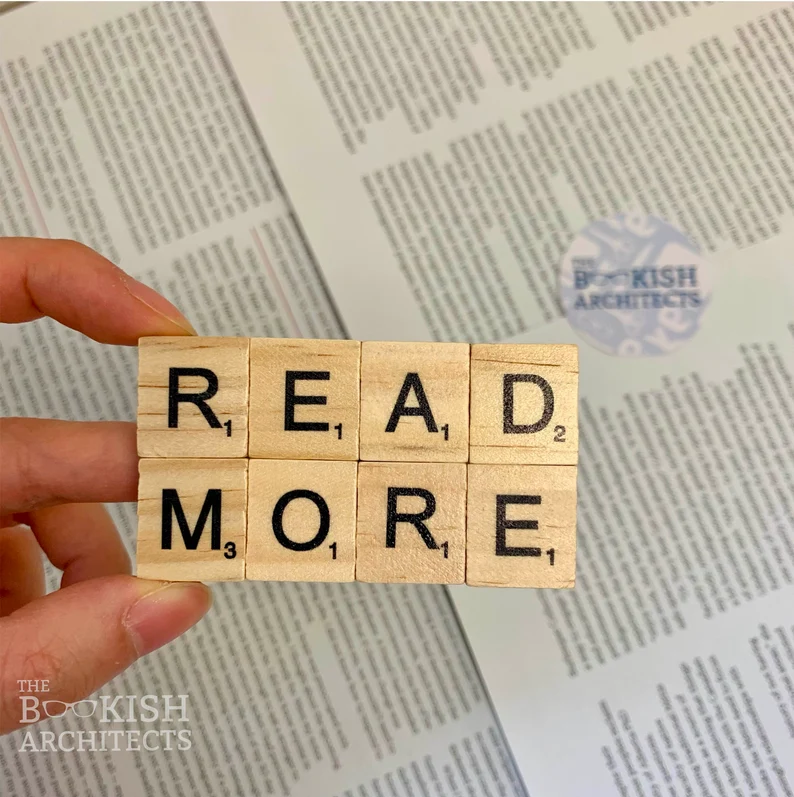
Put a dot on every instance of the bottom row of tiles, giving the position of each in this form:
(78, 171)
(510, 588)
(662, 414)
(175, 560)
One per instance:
(384, 522)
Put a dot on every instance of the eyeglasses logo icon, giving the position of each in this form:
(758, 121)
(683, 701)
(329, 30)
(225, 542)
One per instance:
(34, 709)
(58, 708)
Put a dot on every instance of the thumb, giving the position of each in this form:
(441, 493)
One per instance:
(80, 637)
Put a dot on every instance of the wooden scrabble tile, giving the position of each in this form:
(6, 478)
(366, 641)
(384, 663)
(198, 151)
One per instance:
(192, 519)
(304, 399)
(192, 397)
(521, 526)
(301, 520)
(414, 402)
(524, 400)
(411, 524)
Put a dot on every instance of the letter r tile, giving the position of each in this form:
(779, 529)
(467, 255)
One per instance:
(524, 402)
(192, 519)
(521, 526)
(192, 397)
(411, 524)
(304, 399)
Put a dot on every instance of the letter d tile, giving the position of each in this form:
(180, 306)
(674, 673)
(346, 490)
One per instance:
(524, 404)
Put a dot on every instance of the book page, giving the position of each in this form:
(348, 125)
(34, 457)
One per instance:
(123, 126)
(464, 149)
(441, 157)
(668, 669)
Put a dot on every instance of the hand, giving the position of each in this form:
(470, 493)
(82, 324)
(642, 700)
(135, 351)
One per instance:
(54, 476)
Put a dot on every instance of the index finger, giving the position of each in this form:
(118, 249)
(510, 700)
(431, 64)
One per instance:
(83, 290)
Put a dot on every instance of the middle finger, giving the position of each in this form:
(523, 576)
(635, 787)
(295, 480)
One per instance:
(81, 540)
(21, 568)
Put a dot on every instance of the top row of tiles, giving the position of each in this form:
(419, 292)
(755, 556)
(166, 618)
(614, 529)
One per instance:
(273, 398)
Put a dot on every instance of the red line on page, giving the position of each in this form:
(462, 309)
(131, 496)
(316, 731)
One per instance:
(271, 271)
(33, 201)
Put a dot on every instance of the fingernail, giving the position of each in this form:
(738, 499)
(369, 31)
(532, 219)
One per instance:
(161, 615)
(159, 304)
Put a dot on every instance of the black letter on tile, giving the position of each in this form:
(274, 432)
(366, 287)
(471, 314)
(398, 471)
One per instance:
(416, 519)
(290, 400)
(502, 524)
(548, 404)
(278, 520)
(412, 382)
(199, 399)
(172, 506)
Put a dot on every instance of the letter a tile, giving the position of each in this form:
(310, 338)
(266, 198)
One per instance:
(414, 402)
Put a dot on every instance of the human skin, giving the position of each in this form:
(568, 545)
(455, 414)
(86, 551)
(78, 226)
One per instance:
(55, 477)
